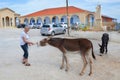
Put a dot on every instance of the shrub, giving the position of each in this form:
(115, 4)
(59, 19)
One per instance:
(85, 28)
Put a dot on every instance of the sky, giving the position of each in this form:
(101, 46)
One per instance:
(110, 8)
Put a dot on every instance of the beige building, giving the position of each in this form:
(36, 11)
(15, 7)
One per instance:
(94, 20)
(8, 18)
(76, 16)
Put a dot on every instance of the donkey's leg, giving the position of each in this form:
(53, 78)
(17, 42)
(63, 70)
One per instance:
(67, 65)
(106, 48)
(63, 57)
(89, 60)
(84, 65)
(90, 63)
(62, 65)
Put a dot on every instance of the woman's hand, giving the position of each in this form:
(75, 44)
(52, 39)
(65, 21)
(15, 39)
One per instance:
(31, 43)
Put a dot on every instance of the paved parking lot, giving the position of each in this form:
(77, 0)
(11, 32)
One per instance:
(45, 61)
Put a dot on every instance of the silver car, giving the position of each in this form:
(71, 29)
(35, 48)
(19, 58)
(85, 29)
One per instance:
(52, 29)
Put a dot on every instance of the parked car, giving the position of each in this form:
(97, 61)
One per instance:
(52, 29)
(21, 26)
(64, 25)
(35, 26)
(38, 26)
(32, 25)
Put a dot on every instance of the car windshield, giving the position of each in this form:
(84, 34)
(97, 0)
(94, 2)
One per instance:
(54, 25)
(46, 26)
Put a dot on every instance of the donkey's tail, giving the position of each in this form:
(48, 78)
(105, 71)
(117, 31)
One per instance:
(93, 55)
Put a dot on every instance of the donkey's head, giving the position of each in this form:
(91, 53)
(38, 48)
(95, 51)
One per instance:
(44, 41)
(101, 49)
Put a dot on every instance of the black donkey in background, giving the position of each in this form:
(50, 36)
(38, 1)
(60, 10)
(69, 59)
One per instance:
(103, 47)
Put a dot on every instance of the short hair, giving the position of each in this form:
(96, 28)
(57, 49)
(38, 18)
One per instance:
(27, 26)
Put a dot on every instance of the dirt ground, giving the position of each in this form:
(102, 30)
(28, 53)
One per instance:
(45, 61)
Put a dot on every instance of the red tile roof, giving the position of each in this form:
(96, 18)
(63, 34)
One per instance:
(104, 16)
(54, 11)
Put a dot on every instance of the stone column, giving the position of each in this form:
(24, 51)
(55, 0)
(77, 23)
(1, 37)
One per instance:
(1, 22)
(50, 17)
(9, 24)
(13, 21)
(98, 18)
(5, 22)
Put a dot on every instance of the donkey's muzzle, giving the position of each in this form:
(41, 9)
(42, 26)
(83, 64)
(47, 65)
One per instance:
(42, 43)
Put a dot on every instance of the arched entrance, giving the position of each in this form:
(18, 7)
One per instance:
(90, 20)
(17, 21)
(55, 20)
(75, 20)
(32, 21)
(3, 22)
(47, 20)
(26, 21)
(39, 21)
(11, 24)
(64, 19)
(7, 21)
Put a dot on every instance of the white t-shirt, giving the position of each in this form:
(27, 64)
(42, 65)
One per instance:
(23, 34)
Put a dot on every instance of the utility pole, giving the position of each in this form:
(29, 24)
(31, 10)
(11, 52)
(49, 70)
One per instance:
(67, 18)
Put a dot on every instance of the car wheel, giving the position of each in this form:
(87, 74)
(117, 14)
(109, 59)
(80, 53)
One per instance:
(53, 33)
(43, 34)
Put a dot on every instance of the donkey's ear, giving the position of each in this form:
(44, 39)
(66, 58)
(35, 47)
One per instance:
(49, 37)
(46, 39)
(99, 44)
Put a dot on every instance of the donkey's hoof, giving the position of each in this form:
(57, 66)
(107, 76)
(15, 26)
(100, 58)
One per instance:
(81, 74)
(61, 67)
(27, 64)
(90, 74)
(66, 70)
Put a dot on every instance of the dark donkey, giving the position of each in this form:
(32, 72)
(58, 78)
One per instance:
(63, 44)
(103, 47)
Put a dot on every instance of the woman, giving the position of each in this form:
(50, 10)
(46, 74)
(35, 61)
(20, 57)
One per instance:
(24, 42)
